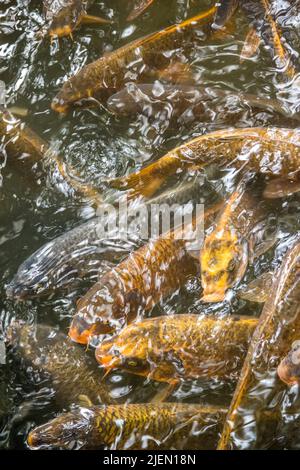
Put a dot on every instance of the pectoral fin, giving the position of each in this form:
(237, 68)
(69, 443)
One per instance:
(259, 289)
(90, 19)
(282, 187)
(251, 45)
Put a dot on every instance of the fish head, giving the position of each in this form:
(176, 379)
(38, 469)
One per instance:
(132, 349)
(289, 368)
(106, 308)
(66, 20)
(68, 431)
(223, 262)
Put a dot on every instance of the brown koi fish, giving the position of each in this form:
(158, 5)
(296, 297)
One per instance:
(107, 75)
(132, 426)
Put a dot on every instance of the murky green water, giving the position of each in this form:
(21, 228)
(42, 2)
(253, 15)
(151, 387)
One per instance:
(37, 206)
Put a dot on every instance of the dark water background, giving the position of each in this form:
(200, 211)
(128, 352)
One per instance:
(35, 209)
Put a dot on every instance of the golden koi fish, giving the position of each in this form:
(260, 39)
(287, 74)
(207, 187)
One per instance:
(271, 151)
(174, 347)
(132, 426)
(107, 75)
(148, 275)
(258, 389)
(225, 253)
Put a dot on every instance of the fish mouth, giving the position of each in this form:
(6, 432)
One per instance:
(81, 330)
(285, 375)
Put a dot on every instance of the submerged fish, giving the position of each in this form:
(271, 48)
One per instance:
(258, 387)
(66, 258)
(105, 76)
(174, 347)
(49, 354)
(185, 104)
(18, 141)
(148, 275)
(132, 426)
(289, 368)
(267, 29)
(227, 248)
(65, 15)
(270, 151)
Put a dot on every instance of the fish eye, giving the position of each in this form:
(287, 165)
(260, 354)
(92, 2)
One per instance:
(134, 363)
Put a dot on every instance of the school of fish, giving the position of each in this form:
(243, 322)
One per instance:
(124, 319)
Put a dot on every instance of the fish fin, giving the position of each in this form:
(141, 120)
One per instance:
(258, 246)
(259, 289)
(177, 72)
(138, 9)
(140, 184)
(84, 401)
(163, 394)
(282, 187)
(251, 45)
(91, 19)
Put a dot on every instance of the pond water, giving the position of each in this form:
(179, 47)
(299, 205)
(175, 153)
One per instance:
(37, 205)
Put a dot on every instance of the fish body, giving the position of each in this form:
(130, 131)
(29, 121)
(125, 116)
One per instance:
(289, 368)
(185, 104)
(148, 275)
(270, 151)
(63, 260)
(105, 76)
(131, 426)
(258, 388)
(175, 347)
(225, 253)
(50, 355)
